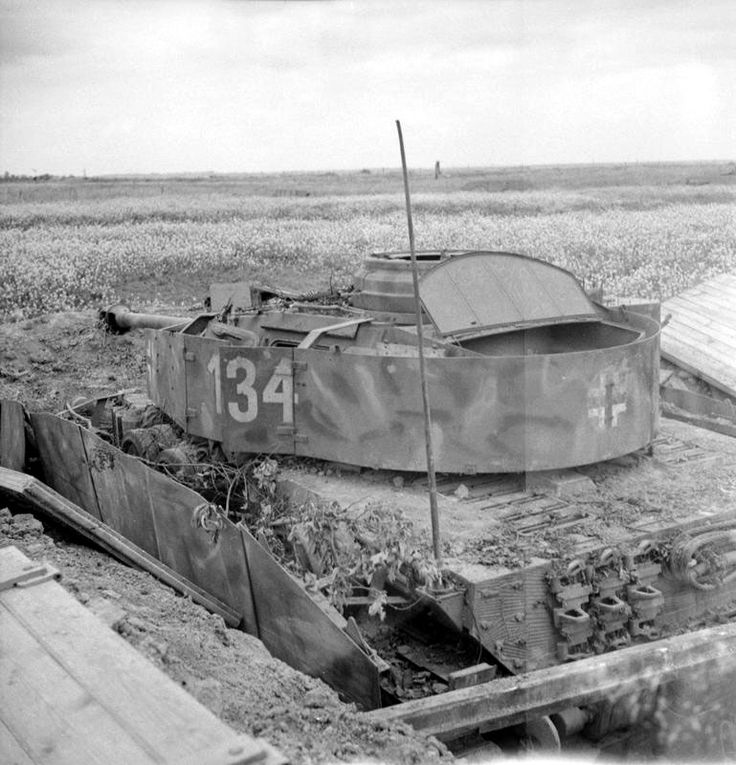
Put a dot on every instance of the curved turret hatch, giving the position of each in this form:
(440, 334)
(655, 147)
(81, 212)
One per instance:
(482, 293)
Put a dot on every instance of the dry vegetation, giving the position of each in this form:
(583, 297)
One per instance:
(638, 230)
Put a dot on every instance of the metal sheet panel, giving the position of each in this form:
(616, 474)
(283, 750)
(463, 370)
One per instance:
(257, 399)
(294, 628)
(484, 292)
(203, 397)
(119, 482)
(166, 372)
(64, 460)
(161, 516)
(12, 435)
(489, 414)
(214, 561)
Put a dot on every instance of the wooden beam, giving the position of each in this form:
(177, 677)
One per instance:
(699, 410)
(512, 700)
(31, 491)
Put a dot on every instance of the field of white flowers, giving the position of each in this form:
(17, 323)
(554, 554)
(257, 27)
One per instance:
(644, 241)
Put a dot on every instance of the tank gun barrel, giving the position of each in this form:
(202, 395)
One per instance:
(119, 319)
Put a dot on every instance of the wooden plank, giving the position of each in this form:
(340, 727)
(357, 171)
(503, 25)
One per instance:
(698, 410)
(721, 332)
(694, 351)
(707, 307)
(697, 404)
(75, 726)
(691, 360)
(29, 490)
(512, 700)
(719, 321)
(293, 628)
(701, 340)
(718, 285)
(99, 700)
(63, 461)
(12, 435)
(708, 350)
(701, 422)
(728, 278)
(10, 748)
(712, 296)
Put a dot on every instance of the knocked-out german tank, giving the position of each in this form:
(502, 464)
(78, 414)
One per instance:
(527, 377)
(525, 372)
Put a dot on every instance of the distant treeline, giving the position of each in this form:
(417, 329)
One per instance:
(380, 181)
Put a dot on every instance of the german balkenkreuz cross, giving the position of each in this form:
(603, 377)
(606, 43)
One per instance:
(608, 404)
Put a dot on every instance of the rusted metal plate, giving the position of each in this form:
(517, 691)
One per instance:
(150, 509)
(257, 399)
(173, 524)
(119, 482)
(203, 547)
(489, 414)
(203, 396)
(30, 491)
(293, 628)
(166, 373)
(12, 435)
(64, 460)
(236, 294)
(482, 292)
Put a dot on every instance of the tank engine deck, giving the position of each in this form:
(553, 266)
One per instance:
(543, 577)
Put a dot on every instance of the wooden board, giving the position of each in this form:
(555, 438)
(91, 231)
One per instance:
(701, 334)
(73, 691)
(512, 700)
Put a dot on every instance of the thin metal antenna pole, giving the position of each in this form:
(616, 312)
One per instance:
(422, 371)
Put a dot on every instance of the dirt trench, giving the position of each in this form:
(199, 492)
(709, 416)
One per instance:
(50, 361)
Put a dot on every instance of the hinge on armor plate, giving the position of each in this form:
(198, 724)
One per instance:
(289, 431)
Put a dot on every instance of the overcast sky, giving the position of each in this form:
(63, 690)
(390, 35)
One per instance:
(122, 86)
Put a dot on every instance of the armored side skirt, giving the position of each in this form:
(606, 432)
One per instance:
(489, 413)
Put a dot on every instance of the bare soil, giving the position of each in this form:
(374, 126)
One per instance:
(50, 361)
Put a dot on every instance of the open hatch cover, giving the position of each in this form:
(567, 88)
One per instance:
(483, 293)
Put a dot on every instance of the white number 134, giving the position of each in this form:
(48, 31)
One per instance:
(278, 390)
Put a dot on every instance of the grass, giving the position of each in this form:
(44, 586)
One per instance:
(645, 230)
